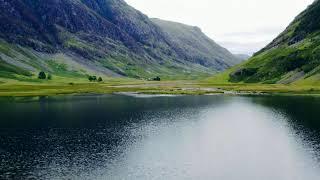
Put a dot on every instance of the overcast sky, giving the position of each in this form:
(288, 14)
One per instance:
(242, 26)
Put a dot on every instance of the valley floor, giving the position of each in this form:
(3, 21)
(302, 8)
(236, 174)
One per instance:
(47, 88)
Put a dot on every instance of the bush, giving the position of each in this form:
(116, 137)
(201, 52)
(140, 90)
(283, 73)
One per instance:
(42, 75)
(92, 78)
(100, 79)
(157, 78)
(49, 77)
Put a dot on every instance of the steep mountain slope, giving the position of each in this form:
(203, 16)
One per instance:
(196, 45)
(109, 37)
(294, 56)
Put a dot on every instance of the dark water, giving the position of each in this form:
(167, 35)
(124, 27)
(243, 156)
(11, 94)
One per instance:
(171, 138)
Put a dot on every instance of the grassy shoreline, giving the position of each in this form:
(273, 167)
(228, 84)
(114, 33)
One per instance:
(24, 89)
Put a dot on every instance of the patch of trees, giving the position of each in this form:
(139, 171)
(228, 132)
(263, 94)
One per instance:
(92, 78)
(95, 79)
(42, 75)
(291, 62)
(155, 79)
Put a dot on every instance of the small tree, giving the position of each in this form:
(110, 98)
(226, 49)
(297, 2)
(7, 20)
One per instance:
(100, 79)
(157, 78)
(92, 78)
(42, 75)
(49, 77)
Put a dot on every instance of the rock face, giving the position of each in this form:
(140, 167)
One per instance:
(27, 22)
(108, 33)
(294, 53)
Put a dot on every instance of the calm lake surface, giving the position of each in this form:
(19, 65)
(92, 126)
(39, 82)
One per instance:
(117, 137)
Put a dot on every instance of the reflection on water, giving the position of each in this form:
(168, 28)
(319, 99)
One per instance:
(184, 137)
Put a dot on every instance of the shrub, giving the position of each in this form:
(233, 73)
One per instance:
(92, 78)
(157, 78)
(49, 77)
(42, 75)
(100, 79)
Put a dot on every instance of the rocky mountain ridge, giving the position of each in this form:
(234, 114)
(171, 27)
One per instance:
(104, 36)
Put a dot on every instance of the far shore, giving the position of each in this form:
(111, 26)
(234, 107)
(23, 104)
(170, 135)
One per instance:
(24, 89)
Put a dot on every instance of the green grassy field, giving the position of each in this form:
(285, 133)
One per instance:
(216, 85)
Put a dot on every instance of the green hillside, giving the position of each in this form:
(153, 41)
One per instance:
(293, 57)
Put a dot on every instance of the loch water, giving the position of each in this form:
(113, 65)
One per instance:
(121, 137)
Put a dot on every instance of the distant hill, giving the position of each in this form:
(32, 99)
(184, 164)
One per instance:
(293, 57)
(109, 37)
(242, 57)
(196, 46)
